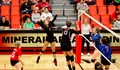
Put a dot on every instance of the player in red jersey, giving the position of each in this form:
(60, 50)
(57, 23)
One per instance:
(15, 58)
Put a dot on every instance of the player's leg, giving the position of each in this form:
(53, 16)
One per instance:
(54, 52)
(21, 65)
(71, 56)
(53, 49)
(67, 60)
(95, 55)
(18, 66)
(105, 63)
(43, 49)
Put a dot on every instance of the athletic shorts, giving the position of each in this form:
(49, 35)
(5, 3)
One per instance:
(50, 39)
(105, 62)
(65, 46)
(13, 62)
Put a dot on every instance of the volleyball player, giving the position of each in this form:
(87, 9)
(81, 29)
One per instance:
(66, 44)
(106, 51)
(15, 58)
(47, 26)
(95, 36)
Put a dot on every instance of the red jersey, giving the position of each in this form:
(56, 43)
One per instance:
(42, 5)
(115, 16)
(16, 53)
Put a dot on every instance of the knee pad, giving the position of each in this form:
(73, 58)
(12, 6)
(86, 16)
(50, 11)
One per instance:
(67, 58)
(54, 52)
(42, 51)
(72, 58)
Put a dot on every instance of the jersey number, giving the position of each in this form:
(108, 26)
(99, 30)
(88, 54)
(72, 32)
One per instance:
(13, 55)
(65, 32)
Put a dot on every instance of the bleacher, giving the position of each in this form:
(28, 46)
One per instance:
(100, 11)
(12, 13)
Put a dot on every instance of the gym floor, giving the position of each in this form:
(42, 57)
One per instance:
(46, 62)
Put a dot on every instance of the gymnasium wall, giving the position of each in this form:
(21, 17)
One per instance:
(36, 38)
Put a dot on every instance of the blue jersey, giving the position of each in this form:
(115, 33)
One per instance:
(96, 40)
(106, 51)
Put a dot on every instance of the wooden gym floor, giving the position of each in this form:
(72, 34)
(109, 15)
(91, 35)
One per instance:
(46, 63)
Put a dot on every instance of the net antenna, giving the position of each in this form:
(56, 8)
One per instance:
(115, 34)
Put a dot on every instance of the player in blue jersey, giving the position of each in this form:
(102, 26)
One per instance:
(95, 36)
(106, 51)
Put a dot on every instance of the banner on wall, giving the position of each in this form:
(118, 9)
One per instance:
(29, 39)
(37, 39)
(115, 41)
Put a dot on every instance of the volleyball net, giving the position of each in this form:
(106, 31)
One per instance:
(81, 16)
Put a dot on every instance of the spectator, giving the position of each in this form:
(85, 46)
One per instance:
(117, 23)
(46, 14)
(1, 2)
(108, 2)
(75, 3)
(82, 6)
(28, 24)
(35, 2)
(25, 17)
(114, 16)
(91, 2)
(26, 7)
(44, 4)
(116, 2)
(86, 1)
(6, 2)
(41, 0)
(86, 31)
(35, 15)
(4, 24)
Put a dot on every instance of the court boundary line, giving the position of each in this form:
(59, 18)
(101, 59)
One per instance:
(80, 66)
